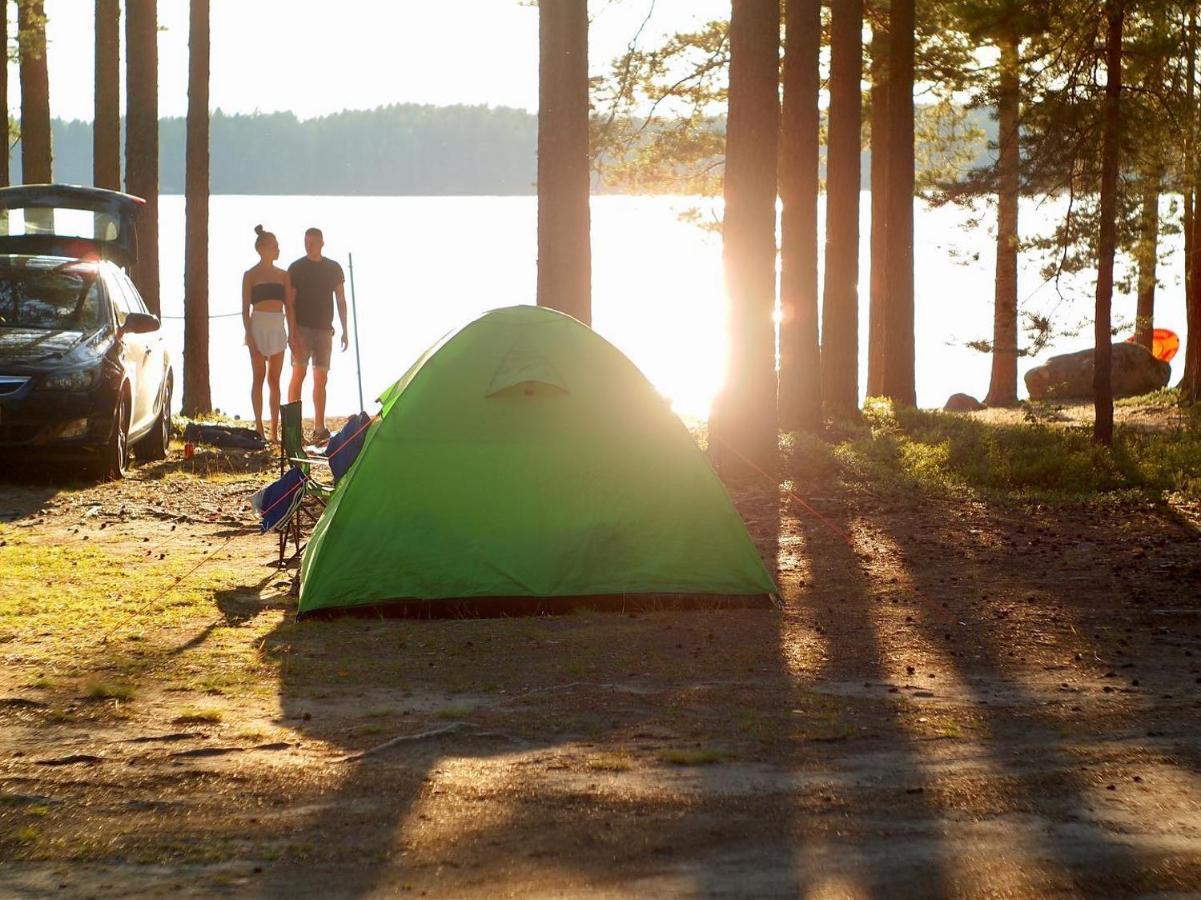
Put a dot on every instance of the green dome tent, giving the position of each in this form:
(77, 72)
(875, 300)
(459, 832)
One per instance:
(525, 456)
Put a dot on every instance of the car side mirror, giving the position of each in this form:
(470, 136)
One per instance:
(140, 323)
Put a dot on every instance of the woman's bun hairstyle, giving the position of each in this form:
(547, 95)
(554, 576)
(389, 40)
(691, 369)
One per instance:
(258, 229)
(263, 237)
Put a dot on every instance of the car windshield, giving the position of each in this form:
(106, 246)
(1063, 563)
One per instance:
(52, 294)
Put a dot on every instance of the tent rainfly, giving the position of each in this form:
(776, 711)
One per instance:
(525, 456)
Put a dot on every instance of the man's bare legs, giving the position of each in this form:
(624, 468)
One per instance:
(258, 368)
(275, 366)
(297, 384)
(320, 377)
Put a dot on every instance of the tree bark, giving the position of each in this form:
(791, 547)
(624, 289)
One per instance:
(196, 394)
(4, 169)
(141, 139)
(840, 291)
(1190, 382)
(106, 132)
(1148, 259)
(1107, 237)
(899, 379)
(879, 187)
(800, 134)
(36, 152)
(743, 426)
(1003, 383)
(564, 177)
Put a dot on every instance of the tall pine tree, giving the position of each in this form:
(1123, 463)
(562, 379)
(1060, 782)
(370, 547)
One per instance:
(840, 291)
(800, 134)
(743, 425)
(141, 138)
(564, 171)
(196, 394)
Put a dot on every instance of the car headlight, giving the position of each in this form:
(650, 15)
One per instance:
(71, 380)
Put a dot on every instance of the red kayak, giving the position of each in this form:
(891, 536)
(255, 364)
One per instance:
(1164, 344)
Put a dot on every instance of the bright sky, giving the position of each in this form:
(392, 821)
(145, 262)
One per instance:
(315, 56)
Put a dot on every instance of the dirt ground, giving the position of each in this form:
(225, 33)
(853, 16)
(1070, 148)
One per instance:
(957, 697)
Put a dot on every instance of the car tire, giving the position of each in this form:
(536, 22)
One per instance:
(112, 460)
(155, 444)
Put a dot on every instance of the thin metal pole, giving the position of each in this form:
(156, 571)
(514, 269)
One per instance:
(358, 362)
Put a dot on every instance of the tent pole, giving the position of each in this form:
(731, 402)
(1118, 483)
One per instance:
(358, 362)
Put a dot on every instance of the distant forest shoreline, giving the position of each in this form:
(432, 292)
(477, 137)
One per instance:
(405, 150)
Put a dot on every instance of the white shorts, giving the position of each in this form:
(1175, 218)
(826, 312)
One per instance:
(269, 330)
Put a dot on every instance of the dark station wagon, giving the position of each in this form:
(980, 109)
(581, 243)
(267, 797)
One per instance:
(84, 372)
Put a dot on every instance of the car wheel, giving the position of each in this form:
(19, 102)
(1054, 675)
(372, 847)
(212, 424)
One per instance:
(155, 444)
(113, 457)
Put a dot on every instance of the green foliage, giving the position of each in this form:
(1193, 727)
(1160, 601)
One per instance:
(909, 448)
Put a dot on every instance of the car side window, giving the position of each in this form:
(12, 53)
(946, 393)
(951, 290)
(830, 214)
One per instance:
(136, 304)
(116, 296)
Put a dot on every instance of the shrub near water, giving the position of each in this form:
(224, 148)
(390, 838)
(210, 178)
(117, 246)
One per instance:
(938, 450)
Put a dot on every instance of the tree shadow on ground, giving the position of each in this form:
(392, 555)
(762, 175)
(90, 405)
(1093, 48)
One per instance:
(869, 818)
(1066, 671)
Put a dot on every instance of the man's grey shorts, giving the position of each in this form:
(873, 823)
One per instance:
(312, 345)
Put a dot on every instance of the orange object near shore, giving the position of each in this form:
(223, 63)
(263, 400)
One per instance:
(1164, 344)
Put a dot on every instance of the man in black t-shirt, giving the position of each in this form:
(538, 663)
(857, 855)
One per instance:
(313, 283)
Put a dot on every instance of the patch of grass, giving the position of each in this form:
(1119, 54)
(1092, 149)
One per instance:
(453, 712)
(41, 683)
(108, 690)
(699, 756)
(1168, 396)
(609, 762)
(194, 715)
(25, 834)
(906, 448)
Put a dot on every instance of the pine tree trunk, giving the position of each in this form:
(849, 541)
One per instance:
(1107, 237)
(1003, 384)
(141, 139)
(840, 291)
(4, 169)
(1148, 258)
(879, 187)
(564, 177)
(1190, 382)
(106, 133)
(743, 427)
(899, 380)
(800, 134)
(196, 394)
(36, 152)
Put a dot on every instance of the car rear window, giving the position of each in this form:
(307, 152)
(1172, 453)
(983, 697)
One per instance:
(50, 294)
(61, 221)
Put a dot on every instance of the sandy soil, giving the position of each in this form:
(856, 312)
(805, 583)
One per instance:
(955, 698)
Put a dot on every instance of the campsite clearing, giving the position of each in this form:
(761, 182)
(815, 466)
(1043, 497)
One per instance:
(969, 695)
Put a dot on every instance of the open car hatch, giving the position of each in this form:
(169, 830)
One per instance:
(75, 222)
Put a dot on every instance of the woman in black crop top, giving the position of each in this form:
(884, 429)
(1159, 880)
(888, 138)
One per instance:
(263, 290)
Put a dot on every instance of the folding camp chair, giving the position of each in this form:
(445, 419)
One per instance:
(313, 493)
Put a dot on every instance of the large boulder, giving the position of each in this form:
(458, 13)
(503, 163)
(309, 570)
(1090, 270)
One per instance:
(962, 403)
(1070, 376)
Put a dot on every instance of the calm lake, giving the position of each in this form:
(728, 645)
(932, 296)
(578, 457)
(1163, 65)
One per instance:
(425, 265)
